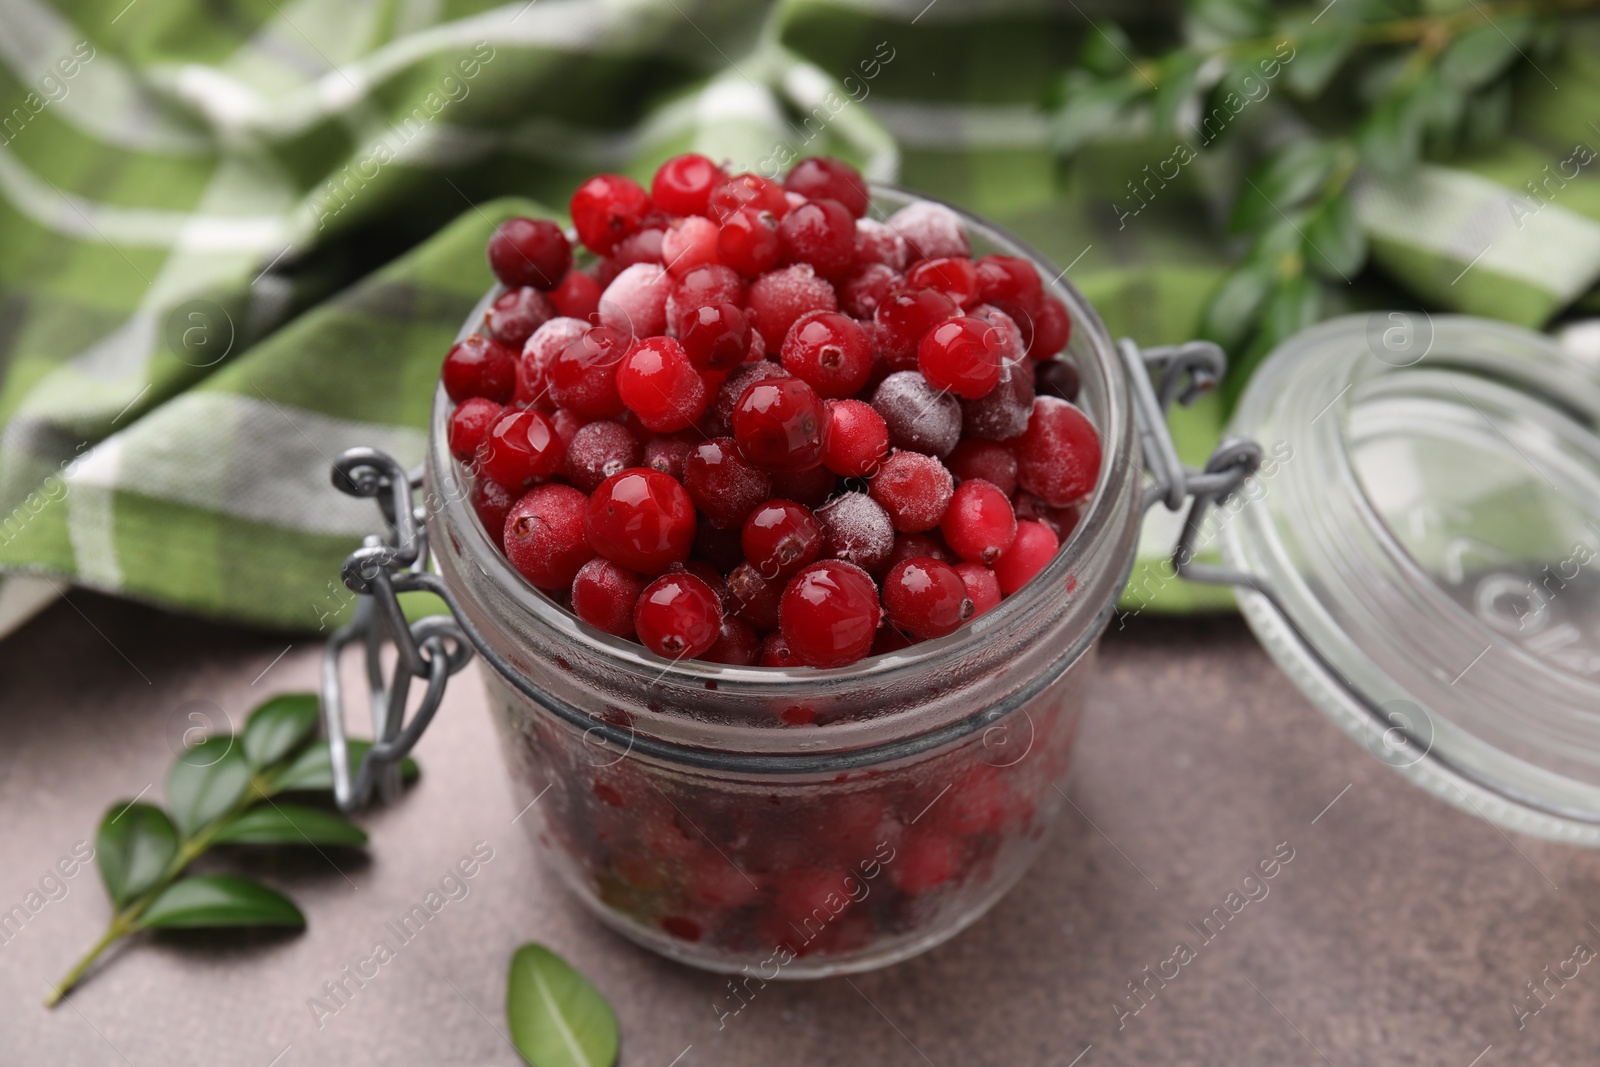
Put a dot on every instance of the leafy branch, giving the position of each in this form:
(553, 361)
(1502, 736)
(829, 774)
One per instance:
(219, 792)
(1376, 87)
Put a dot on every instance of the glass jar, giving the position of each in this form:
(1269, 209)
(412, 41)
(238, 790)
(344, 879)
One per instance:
(805, 822)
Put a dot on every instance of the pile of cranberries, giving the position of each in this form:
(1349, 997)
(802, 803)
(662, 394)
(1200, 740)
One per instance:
(763, 428)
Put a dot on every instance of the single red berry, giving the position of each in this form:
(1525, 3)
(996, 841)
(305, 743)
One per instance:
(979, 523)
(635, 303)
(926, 860)
(920, 545)
(926, 598)
(855, 439)
(715, 336)
(583, 377)
(492, 502)
(469, 424)
(607, 208)
(659, 384)
(1056, 377)
(905, 318)
(780, 537)
(677, 616)
(931, 230)
(689, 243)
(603, 595)
(779, 297)
(829, 352)
(544, 536)
(642, 246)
(709, 283)
(642, 520)
(683, 184)
(829, 614)
(918, 416)
(1009, 281)
(856, 529)
(1052, 329)
(870, 285)
(748, 242)
(728, 394)
(743, 192)
(532, 252)
(1058, 458)
(775, 652)
(807, 488)
(821, 233)
(753, 597)
(955, 278)
(992, 462)
(961, 356)
(577, 297)
(1033, 548)
(598, 450)
(823, 177)
(878, 242)
(778, 424)
(983, 588)
(722, 483)
(479, 366)
(515, 314)
(519, 447)
(914, 489)
(737, 644)
(668, 453)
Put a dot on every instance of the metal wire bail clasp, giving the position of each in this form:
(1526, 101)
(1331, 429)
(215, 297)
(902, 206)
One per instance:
(432, 648)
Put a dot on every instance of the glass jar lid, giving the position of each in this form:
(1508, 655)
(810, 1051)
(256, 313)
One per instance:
(1421, 553)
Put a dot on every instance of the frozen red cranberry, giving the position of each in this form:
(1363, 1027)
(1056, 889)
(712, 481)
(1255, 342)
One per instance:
(877, 242)
(683, 184)
(1052, 329)
(870, 285)
(926, 860)
(926, 598)
(469, 424)
(668, 452)
(544, 536)
(583, 378)
(746, 192)
(829, 352)
(754, 598)
(519, 447)
(778, 424)
(689, 243)
(515, 314)
(905, 318)
(479, 366)
(642, 520)
(749, 242)
(1004, 413)
(492, 502)
(961, 356)
(644, 246)
(983, 588)
(918, 416)
(821, 233)
(1056, 377)
(914, 489)
(779, 297)
(856, 529)
(1009, 280)
(540, 350)
(578, 296)
(709, 283)
(775, 652)
(737, 645)
(855, 440)
(532, 252)
(955, 278)
(604, 594)
(780, 537)
(992, 462)
(823, 177)
(808, 488)
(931, 230)
(829, 614)
(731, 390)
(722, 483)
(917, 545)
(607, 208)
(659, 384)
(1058, 458)
(598, 450)
(716, 337)
(1030, 551)
(979, 523)
(678, 616)
(635, 304)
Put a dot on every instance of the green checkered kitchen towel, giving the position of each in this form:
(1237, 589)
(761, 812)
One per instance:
(236, 238)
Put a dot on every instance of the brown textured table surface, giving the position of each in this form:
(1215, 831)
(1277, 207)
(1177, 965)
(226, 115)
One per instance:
(1401, 932)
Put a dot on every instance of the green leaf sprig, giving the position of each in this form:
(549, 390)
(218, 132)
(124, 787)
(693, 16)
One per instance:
(557, 1018)
(219, 792)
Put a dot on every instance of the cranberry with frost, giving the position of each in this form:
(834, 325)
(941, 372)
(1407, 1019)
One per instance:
(918, 416)
(826, 178)
(914, 489)
(931, 230)
(821, 233)
(583, 377)
(870, 285)
(1058, 458)
(746, 192)
(988, 460)
(544, 536)
(1004, 413)
(926, 598)
(905, 318)
(829, 352)
(578, 296)
(604, 594)
(635, 303)
(723, 484)
(979, 523)
(1030, 551)
(659, 384)
(515, 314)
(668, 453)
(983, 588)
(779, 297)
(677, 616)
(856, 529)
(519, 447)
(539, 351)
(683, 184)
(955, 278)
(829, 614)
(469, 424)
(689, 243)
(607, 208)
(479, 366)
(598, 450)
(532, 252)
(778, 425)
(780, 537)
(641, 519)
(644, 246)
(855, 439)
(567, 423)
(961, 356)
(749, 243)
(878, 242)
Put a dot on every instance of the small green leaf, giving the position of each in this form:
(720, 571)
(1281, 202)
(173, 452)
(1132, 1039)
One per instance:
(1178, 74)
(1335, 246)
(312, 770)
(1319, 53)
(1089, 110)
(208, 779)
(219, 900)
(557, 1018)
(1232, 19)
(1482, 54)
(1391, 137)
(277, 727)
(1284, 180)
(290, 824)
(1107, 50)
(1230, 314)
(134, 846)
